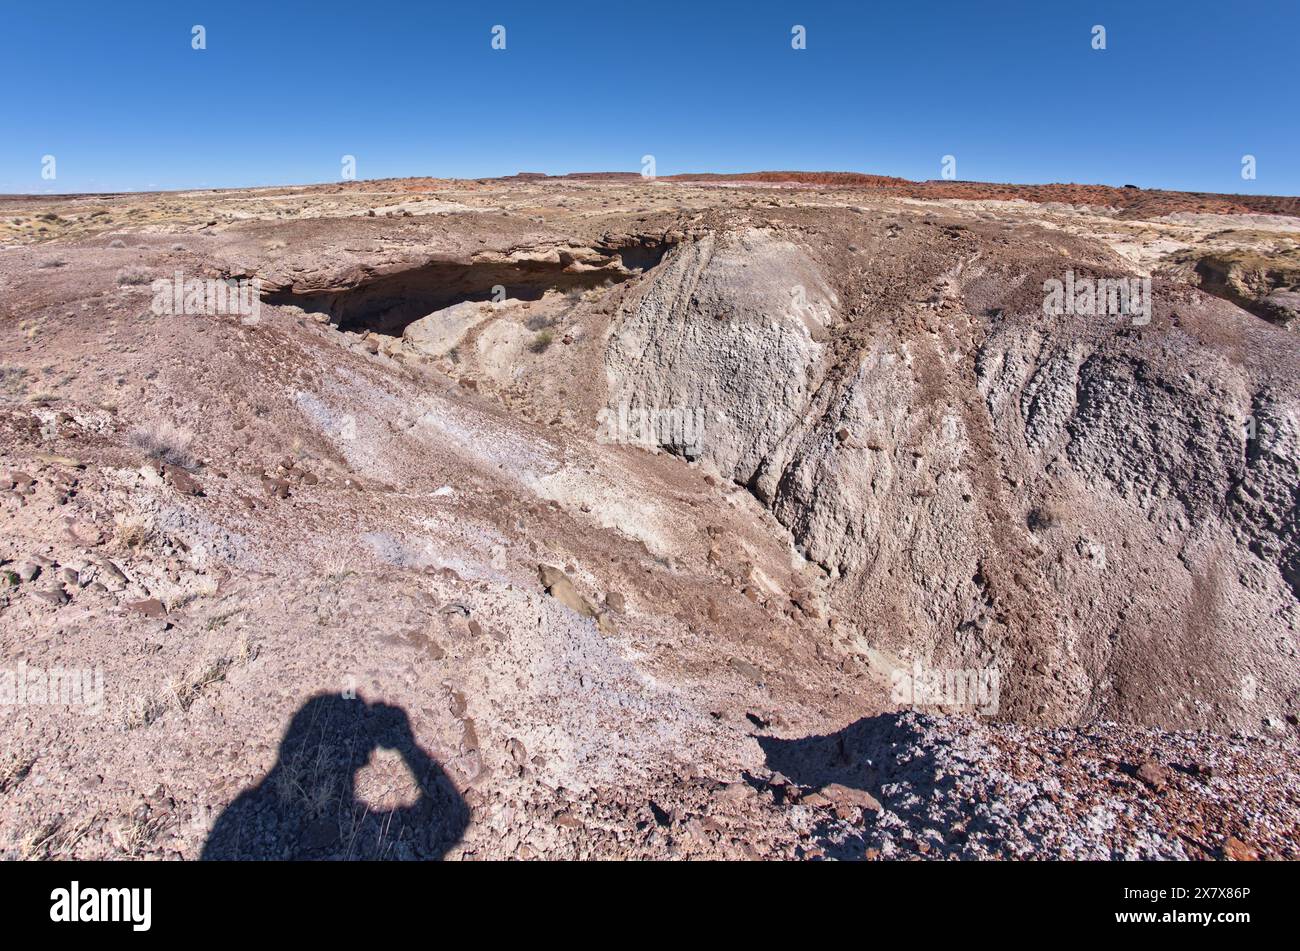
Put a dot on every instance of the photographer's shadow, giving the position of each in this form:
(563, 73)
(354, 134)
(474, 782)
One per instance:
(306, 806)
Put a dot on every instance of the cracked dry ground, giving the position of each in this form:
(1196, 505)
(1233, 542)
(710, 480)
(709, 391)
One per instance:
(376, 572)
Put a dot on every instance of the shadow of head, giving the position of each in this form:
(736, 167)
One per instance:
(306, 807)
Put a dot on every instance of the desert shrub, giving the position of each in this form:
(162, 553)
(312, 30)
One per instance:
(133, 531)
(541, 342)
(13, 379)
(164, 442)
(133, 275)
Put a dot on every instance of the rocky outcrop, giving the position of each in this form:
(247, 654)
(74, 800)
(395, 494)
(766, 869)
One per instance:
(1266, 285)
(1107, 516)
(721, 315)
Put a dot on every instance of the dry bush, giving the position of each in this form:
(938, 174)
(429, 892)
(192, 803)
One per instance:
(164, 442)
(13, 380)
(133, 531)
(132, 275)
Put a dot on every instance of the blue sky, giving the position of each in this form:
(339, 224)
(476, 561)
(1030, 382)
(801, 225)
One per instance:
(1012, 89)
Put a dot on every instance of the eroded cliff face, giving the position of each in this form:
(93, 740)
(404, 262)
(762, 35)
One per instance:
(733, 326)
(1102, 509)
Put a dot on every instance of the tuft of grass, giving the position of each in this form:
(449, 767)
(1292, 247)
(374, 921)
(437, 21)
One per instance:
(133, 531)
(13, 380)
(542, 342)
(184, 689)
(56, 838)
(164, 442)
(15, 770)
(139, 711)
(139, 832)
(132, 276)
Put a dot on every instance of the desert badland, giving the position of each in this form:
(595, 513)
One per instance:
(595, 516)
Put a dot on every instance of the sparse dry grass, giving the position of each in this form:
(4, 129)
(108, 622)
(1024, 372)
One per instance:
(13, 380)
(164, 441)
(139, 711)
(308, 782)
(186, 689)
(14, 770)
(57, 838)
(133, 531)
(135, 834)
(131, 276)
(182, 690)
(338, 565)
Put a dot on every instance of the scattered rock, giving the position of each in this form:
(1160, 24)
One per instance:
(747, 670)
(558, 586)
(182, 481)
(113, 573)
(276, 488)
(1153, 774)
(150, 608)
(55, 596)
(846, 799)
(734, 792)
(1239, 851)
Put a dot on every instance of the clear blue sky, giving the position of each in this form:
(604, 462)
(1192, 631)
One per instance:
(1012, 89)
